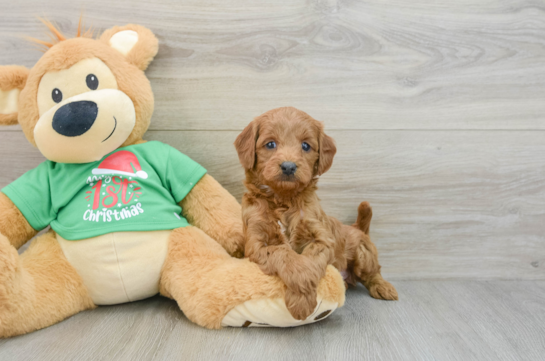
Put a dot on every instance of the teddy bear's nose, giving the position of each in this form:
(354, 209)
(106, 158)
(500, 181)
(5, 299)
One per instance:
(75, 118)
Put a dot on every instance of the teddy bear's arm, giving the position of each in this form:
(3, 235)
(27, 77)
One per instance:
(213, 209)
(13, 224)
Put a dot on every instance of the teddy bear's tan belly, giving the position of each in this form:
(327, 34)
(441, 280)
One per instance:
(119, 267)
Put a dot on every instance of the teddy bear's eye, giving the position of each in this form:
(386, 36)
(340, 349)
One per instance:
(92, 81)
(56, 94)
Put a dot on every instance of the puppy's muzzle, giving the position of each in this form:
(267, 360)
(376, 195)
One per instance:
(75, 118)
(288, 168)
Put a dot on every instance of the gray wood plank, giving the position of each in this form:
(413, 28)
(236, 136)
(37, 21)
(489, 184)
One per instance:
(450, 200)
(447, 204)
(354, 64)
(434, 320)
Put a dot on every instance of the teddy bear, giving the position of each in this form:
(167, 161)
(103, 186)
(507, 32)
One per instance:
(128, 218)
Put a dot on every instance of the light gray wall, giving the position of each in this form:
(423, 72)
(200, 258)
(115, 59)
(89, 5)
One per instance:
(437, 109)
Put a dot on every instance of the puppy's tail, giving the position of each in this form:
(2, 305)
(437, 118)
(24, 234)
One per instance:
(365, 213)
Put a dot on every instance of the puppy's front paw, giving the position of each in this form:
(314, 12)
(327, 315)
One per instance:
(300, 305)
(302, 275)
(238, 250)
(235, 247)
(383, 290)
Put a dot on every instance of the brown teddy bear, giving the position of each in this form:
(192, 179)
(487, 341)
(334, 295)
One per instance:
(129, 218)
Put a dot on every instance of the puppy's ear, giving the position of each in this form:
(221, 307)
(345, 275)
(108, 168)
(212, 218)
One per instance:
(245, 145)
(326, 153)
(135, 42)
(12, 81)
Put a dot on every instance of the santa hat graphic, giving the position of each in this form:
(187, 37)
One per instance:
(122, 162)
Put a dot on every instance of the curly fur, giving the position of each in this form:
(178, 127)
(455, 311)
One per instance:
(287, 233)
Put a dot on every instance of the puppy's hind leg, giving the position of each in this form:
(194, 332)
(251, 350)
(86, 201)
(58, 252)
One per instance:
(365, 257)
(367, 270)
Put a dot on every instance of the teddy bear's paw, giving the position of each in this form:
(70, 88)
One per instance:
(274, 313)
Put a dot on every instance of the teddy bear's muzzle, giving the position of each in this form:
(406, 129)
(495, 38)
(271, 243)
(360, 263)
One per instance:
(86, 127)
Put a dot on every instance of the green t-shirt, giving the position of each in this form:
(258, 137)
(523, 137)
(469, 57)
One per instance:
(135, 188)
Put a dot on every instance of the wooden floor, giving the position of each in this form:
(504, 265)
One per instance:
(434, 320)
(438, 110)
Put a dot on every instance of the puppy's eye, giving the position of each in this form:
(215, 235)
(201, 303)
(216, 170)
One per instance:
(270, 145)
(305, 146)
(56, 95)
(92, 81)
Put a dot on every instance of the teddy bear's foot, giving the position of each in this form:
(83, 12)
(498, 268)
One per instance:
(38, 288)
(215, 290)
(272, 312)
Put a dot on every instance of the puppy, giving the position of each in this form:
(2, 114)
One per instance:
(287, 233)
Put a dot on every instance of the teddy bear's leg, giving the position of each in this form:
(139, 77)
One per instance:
(215, 290)
(38, 288)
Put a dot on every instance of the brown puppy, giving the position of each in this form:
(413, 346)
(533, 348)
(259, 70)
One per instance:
(284, 151)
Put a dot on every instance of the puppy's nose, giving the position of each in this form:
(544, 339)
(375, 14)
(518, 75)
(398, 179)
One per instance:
(288, 168)
(75, 118)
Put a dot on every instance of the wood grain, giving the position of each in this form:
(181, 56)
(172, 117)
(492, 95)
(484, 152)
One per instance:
(355, 64)
(435, 320)
(438, 118)
(438, 112)
(447, 204)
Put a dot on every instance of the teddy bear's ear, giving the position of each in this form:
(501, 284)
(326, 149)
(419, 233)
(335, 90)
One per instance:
(12, 81)
(135, 42)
